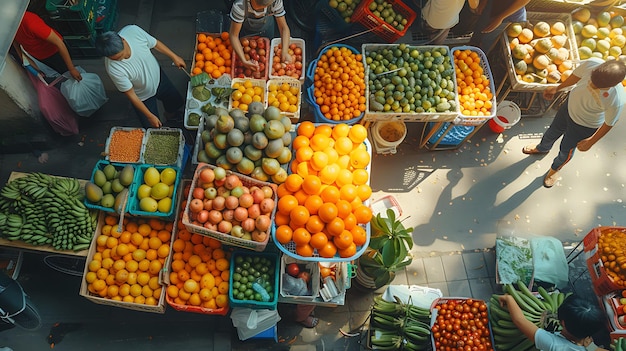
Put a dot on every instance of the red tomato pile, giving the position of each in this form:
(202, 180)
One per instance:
(462, 325)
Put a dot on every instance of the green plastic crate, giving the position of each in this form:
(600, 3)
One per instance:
(80, 10)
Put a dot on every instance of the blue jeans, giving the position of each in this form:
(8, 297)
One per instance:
(572, 133)
(167, 94)
(486, 41)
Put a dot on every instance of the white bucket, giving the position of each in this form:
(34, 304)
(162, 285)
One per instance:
(389, 134)
(507, 115)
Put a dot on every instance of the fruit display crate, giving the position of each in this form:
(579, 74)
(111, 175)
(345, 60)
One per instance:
(293, 83)
(289, 249)
(310, 90)
(570, 44)
(107, 146)
(313, 287)
(602, 283)
(447, 116)
(71, 10)
(199, 107)
(149, 140)
(610, 303)
(224, 237)
(253, 304)
(220, 311)
(484, 63)
(236, 62)
(84, 291)
(332, 16)
(255, 83)
(100, 165)
(445, 300)
(195, 51)
(133, 200)
(363, 15)
(277, 41)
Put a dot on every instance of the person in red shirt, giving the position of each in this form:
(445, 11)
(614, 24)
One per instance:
(45, 44)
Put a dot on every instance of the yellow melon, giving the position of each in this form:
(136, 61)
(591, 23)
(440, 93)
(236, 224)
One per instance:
(553, 54)
(565, 66)
(514, 42)
(618, 41)
(520, 67)
(513, 30)
(581, 14)
(554, 77)
(543, 45)
(541, 29)
(528, 78)
(552, 67)
(603, 32)
(525, 36)
(589, 31)
(603, 18)
(562, 57)
(558, 41)
(528, 59)
(557, 28)
(519, 52)
(615, 32)
(541, 61)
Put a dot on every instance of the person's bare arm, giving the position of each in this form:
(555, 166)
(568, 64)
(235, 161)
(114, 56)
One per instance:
(134, 99)
(527, 327)
(285, 36)
(162, 48)
(54, 39)
(549, 92)
(587, 143)
(235, 29)
(496, 21)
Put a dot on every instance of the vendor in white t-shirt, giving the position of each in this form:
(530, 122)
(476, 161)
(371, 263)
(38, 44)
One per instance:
(441, 15)
(134, 70)
(593, 107)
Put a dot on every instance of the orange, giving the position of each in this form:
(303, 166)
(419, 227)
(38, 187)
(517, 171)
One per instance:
(318, 240)
(202, 37)
(343, 145)
(343, 208)
(283, 234)
(328, 251)
(348, 192)
(301, 236)
(319, 160)
(178, 265)
(300, 141)
(306, 128)
(327, 212)
(281, 191)
(329, 174)
(358, 133)
(293, 182)
(287, 203)
(304, 154)
(319, 142)
(363, 192)
(314, 224)
(222, 264)
(359, 235)
(299, 215)
(335, 226)
(340, 130)
(363, 214)
(324, 129)
(313, 203)
(178, 245)
(350, 221)
(359, 158)
(348, 251)
(281, 219)
(343, 178)
(359, 176)
(301, 196)
(330, 194)
(343, 240)
(218, 253)
(311, 184)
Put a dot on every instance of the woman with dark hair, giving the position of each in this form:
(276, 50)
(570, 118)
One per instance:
(593, 107)
(580, 319)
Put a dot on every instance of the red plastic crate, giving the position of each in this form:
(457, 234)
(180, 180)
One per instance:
(366, 17)
(602, 283)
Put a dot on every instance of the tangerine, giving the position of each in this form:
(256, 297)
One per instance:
(283, 234)
(304, 250)
(348, 251)
(359, 235)
(318, 240)
(314, 224)
(327, 212)
(299, 215)
(311, 184)
(293, 182)
(328, 251)
(301, 236)
(363, 214)
(335, 226)
(313, 203)
(306, 128)
(343, 240)
(287, 203)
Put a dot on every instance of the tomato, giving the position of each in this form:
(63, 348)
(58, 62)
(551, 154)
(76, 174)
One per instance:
(462, 325)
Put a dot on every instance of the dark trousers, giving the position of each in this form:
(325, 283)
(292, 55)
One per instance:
(56, 63)
(167, 94)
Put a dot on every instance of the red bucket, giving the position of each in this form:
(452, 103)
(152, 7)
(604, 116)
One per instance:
(507, 116)
(497, 124)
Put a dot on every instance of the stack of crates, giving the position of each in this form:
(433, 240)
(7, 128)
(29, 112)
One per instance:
(79, 21)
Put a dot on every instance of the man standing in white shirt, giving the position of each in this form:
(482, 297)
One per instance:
(439, 16)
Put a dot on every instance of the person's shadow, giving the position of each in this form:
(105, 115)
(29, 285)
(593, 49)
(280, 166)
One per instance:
(487, 201)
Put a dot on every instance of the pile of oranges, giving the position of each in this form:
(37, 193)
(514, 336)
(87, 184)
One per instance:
(475, 95)
(339, 82)
(245, 91)
(284, 96)
(213, 55)
(126, 264)
(321, 203)
(199, 269)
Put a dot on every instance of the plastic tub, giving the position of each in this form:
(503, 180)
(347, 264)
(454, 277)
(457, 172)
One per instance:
(299, 43)
(508, 115)
(389, 134)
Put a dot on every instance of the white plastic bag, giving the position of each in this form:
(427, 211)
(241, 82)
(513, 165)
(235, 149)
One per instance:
(549, 261)
(87, 96)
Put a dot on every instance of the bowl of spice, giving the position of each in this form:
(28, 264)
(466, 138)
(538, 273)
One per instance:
(124, 145)
(163, 146)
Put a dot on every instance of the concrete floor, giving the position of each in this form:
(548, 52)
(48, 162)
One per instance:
(457, 201)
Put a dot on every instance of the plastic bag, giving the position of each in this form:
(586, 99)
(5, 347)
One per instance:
(549, 261)
(251, 322)
(55, 108)
(87, 96)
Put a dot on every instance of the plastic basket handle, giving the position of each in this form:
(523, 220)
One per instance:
(310, 71)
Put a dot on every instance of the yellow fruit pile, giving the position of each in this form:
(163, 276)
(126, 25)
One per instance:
(126, 264)
(475, 93)
(283, 96)
(245, 93)
(321, 204)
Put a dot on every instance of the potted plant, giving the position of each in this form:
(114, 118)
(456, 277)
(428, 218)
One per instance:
(387, 253)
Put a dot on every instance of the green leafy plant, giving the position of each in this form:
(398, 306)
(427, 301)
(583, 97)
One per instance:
(389, 249)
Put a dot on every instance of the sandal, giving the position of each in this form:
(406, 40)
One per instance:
(532, 150)
(309, 322)
(549, 180)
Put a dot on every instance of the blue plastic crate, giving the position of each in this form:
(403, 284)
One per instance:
(133, 201)
(100, 166)
(455, 135)
(273, 303)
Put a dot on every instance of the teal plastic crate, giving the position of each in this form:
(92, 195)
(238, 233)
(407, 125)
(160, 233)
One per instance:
(100, 166)
(133, 201)
(273, 257)
(80, 10)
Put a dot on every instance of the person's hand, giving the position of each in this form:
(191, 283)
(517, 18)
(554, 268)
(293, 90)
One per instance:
(584, 145)
(504, 299)
(155, 121)
(179, 62)
(549, 93)
(493, 25)
(253, 65)
(75, 74)
(286, 58)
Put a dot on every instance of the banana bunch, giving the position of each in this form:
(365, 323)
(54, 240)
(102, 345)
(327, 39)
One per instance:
(619, 344)
(45, 210)
(399, 326)
(542, 312)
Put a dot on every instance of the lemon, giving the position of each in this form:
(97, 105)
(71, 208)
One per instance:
(148, 204)
(164, 205)
(159, 191)
(143, 191)
(151, 176)
(168, 176)
(171, 192)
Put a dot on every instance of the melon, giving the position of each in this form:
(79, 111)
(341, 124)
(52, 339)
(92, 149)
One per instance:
(603, 45)
(513, 30)
(543, 45)
(577, 26)
(584, 52)
(619, 41)
(566, 74)
(603, 32)
(615, 51)
(553, 77)
(558, 41)
(514, 42)
(542, 73)
(563, 56)
(589, 31)
(603, 18)
(565, 65)
(541, 61)
(528, 59)
(589, 42)
(541, 29)
(615, 32)
(519, 52)
(557, 28)
(581, 14)
(525, 36)
(599, 54)
(553, 54)
(616, 21)
(528, 78)
(551, 68)
(520, 67)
